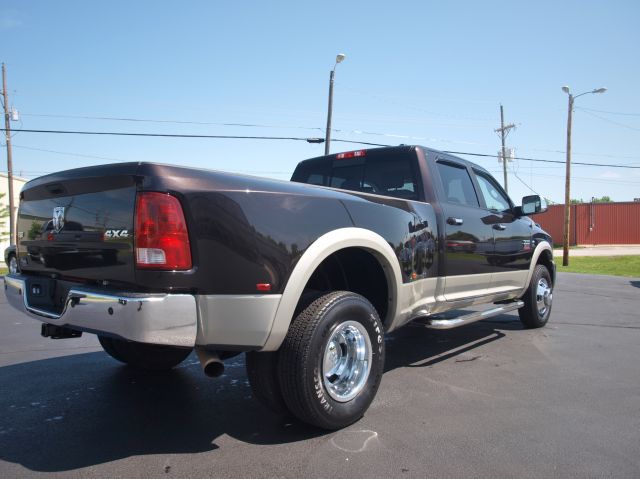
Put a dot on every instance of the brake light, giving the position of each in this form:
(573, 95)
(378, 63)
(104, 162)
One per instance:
(161, 237)
(351, 154)
(264, 287)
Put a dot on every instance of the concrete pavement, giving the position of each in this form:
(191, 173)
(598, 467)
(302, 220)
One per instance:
(601, 250)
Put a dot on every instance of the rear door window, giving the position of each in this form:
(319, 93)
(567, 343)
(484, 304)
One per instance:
(457, 184)
(393, 177)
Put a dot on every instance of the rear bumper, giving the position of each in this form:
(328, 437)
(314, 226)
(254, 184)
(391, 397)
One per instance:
(169, 319)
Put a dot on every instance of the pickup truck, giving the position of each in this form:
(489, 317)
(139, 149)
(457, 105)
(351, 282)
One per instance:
(306, 277)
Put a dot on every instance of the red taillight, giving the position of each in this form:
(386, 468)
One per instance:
(351, 154)
(263, 287)
(162, 241)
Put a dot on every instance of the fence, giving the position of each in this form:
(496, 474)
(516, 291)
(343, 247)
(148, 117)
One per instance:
(594, 223)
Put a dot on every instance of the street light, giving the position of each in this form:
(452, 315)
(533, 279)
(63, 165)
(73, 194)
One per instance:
(567, 183)
(339, 58)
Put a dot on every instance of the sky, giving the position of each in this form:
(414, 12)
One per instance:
(416, 72)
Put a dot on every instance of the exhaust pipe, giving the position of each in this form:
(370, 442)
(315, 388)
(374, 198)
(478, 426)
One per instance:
(211, 363)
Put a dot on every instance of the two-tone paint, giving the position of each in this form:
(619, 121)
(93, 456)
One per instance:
(246, 231)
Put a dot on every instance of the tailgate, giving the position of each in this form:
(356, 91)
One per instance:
(79, 224)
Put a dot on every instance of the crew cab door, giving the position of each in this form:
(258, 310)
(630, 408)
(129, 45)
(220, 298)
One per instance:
(513, 251)
(468, 239)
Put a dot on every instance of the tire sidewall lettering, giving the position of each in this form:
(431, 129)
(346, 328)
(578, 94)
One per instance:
(338, 313)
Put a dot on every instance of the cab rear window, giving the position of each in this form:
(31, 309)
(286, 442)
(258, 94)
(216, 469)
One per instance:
(388, 176)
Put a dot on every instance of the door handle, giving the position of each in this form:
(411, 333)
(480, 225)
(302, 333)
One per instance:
(499, 227)
(454, 221)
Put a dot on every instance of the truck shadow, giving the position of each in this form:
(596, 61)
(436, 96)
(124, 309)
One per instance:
(78, 411)
(417, 346)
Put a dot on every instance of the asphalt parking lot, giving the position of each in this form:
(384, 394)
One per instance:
(487, 400)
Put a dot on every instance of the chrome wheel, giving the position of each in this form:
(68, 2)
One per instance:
(544, 296)
(347, 361)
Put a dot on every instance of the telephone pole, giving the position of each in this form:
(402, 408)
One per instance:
(504, 131)
(567, 179)
(7, 131)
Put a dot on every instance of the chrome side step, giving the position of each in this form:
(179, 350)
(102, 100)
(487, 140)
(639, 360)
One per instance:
(434, 323)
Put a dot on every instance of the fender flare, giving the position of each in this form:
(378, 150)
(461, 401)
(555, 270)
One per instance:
(540, 248)
(315, 254)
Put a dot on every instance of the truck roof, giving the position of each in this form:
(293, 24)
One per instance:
(402, 149)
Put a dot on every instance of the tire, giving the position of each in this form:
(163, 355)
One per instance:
(320, 383)
(537, 299)
(262, 373)
(262, 368)
(153, 357)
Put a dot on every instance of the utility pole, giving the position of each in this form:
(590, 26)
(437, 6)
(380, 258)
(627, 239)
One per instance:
(7, 131)
(504, 131)
(567, 181)
(567, 192)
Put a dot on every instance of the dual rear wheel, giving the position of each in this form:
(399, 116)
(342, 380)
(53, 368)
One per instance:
(329, 367)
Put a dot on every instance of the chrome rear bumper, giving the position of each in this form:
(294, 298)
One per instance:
(169, 319)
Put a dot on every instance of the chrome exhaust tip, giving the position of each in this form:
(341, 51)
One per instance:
(211, 364)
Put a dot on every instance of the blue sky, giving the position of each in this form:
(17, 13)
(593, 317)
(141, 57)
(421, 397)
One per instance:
(423, 72)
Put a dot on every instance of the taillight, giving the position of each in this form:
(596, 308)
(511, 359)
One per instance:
(161, 237)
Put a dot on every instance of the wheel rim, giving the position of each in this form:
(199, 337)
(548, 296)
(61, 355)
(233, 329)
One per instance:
(544, 296)
(347, 361)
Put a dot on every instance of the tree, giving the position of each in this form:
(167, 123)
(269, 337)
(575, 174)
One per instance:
(604, 199)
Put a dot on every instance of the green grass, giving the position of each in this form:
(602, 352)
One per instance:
(612, 265)
(3, 271)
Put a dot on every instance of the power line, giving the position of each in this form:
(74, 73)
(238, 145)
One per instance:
(309, 140)
(245, 125)
(610, 121)
(170, 135)
(178, 122)
(486, 155)
(513, 170)
(608, 112)
(546, 161)
(337, 130)
(583, 178)
(599, 155)
(67, 153)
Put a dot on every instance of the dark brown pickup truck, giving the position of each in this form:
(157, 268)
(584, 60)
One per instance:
(307, 277)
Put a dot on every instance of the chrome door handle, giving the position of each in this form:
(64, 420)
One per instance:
(499, 227)
(454, 221)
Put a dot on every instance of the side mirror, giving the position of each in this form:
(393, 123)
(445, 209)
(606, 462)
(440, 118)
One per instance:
(533, 204)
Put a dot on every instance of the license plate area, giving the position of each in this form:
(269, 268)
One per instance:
(46, 294)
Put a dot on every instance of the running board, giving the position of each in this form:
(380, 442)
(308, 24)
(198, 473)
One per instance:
(433, 323)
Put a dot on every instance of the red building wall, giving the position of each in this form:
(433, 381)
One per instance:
(594, 223)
